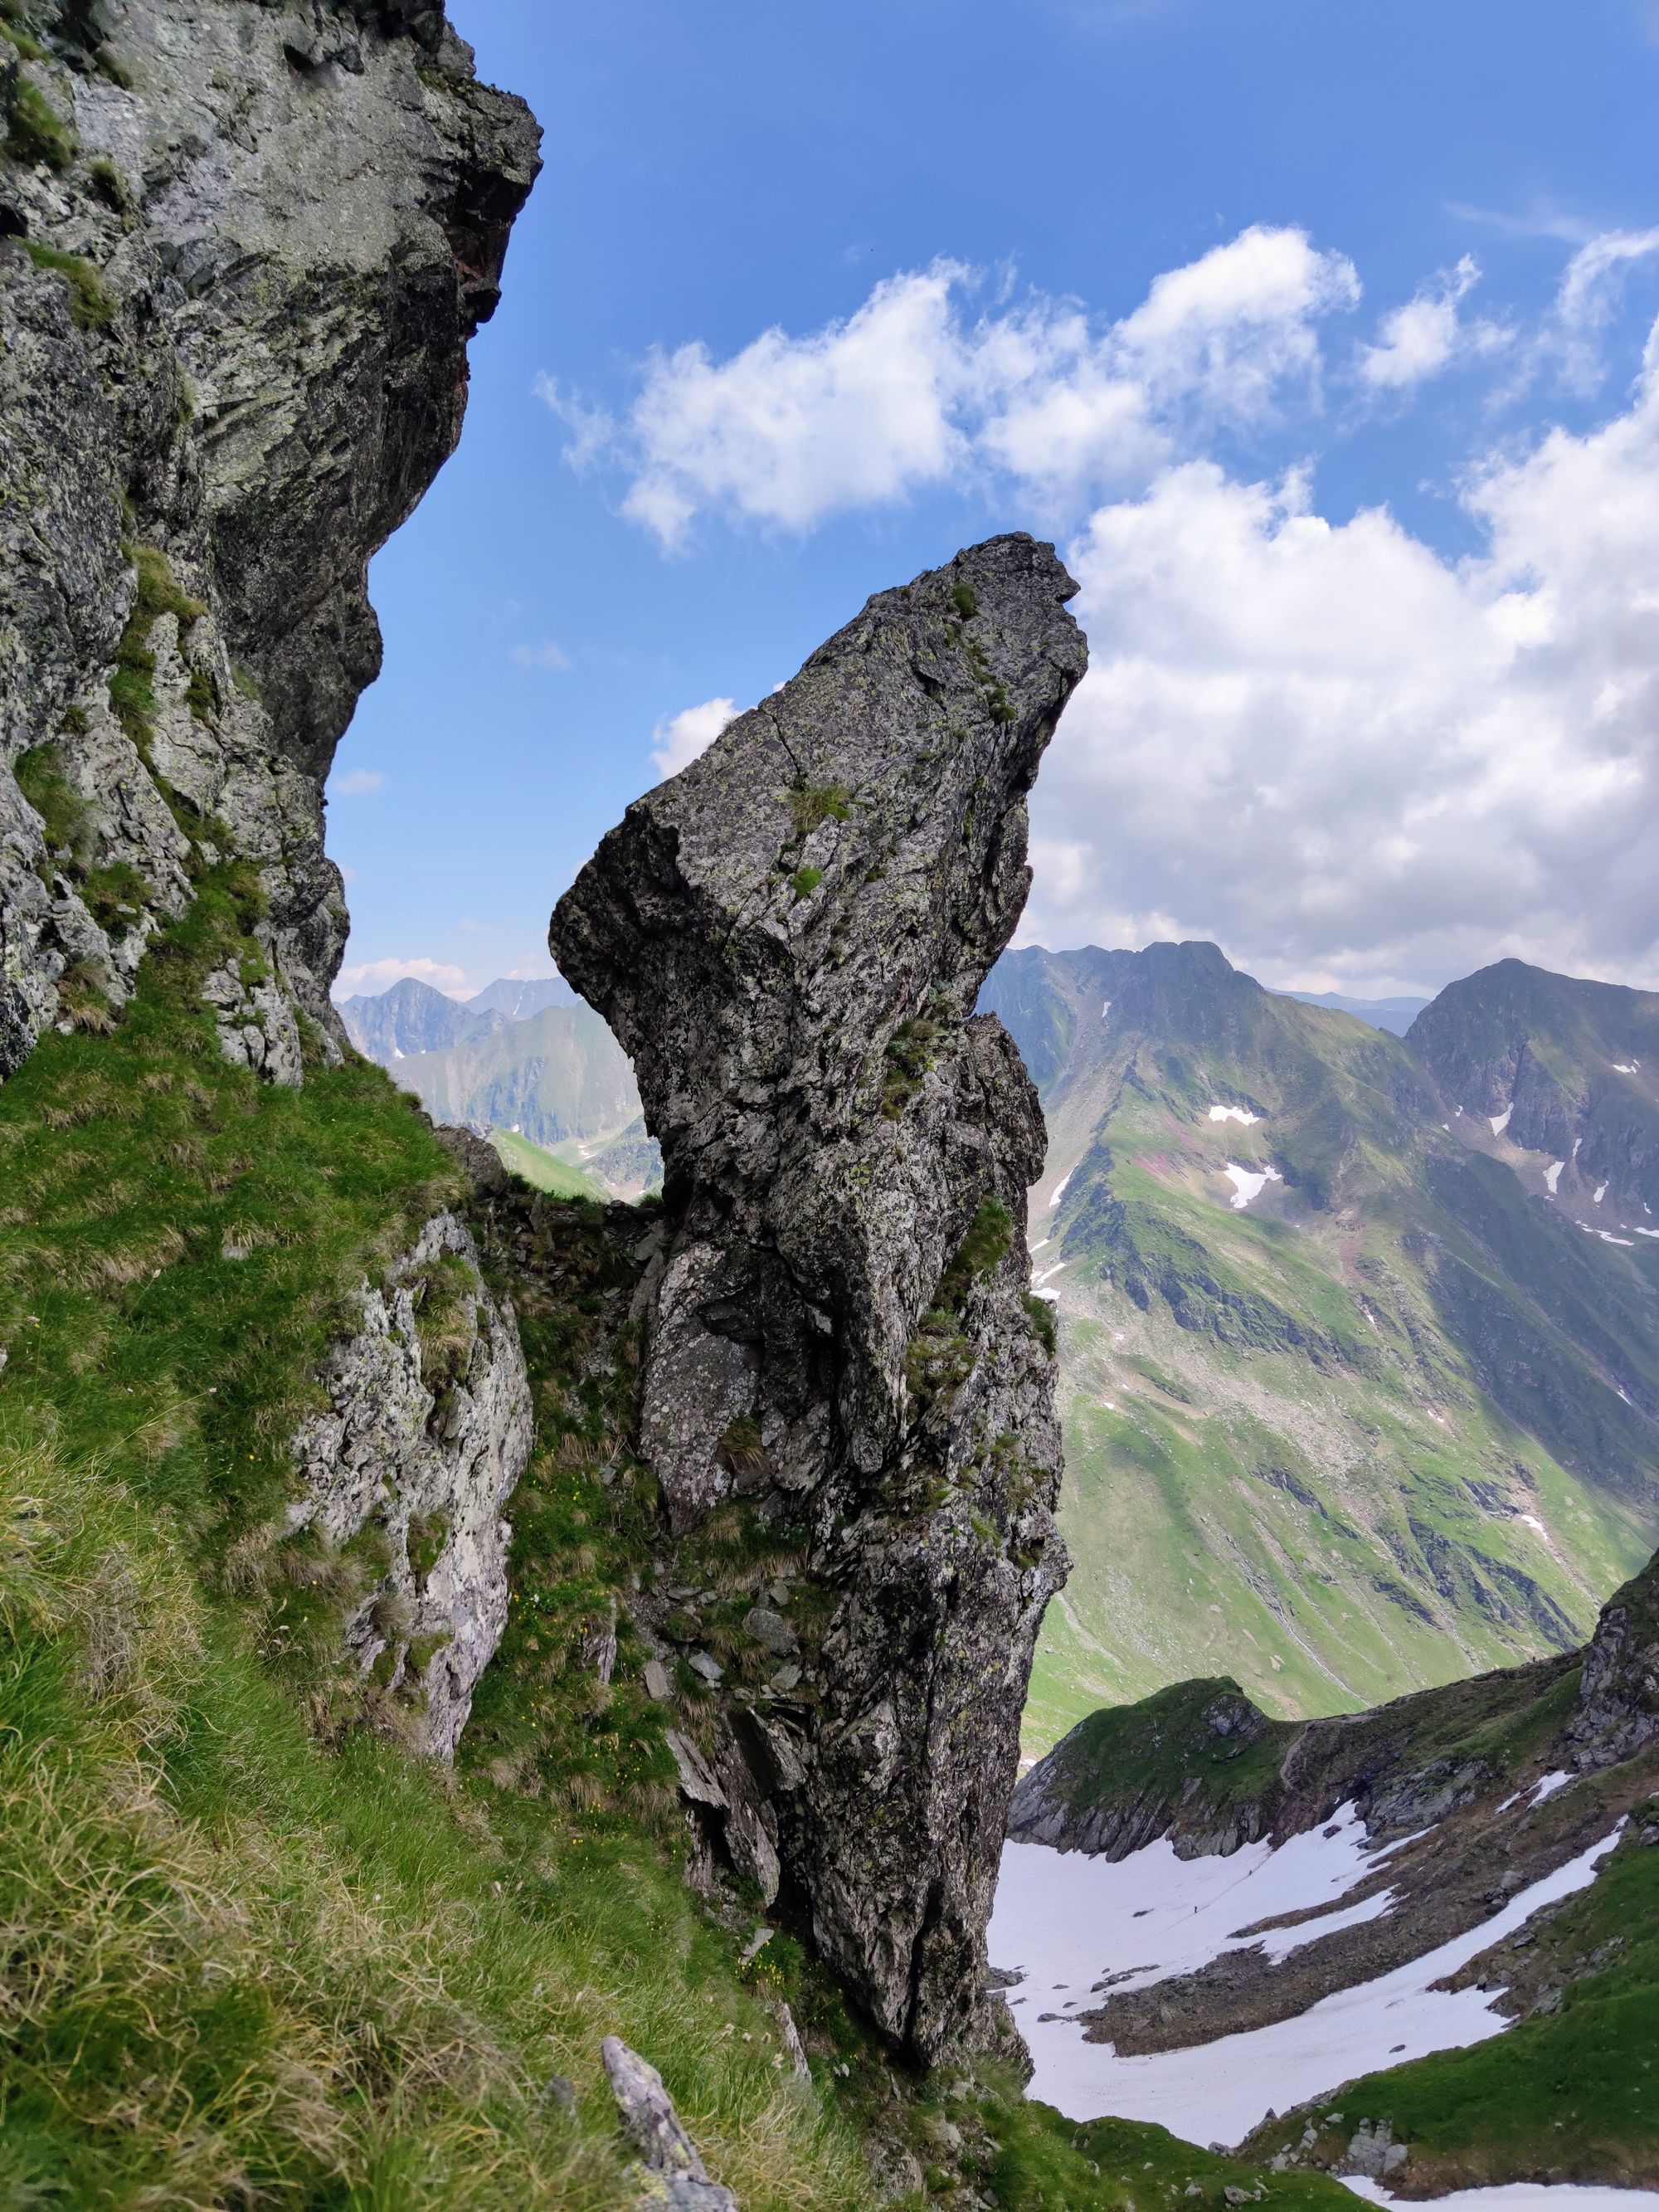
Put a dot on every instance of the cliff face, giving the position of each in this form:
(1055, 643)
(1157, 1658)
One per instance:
(244, 247)
(789, 938)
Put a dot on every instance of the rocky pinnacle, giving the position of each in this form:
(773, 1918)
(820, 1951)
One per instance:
(789, 938)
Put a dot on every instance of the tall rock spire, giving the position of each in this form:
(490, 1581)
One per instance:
(789, 938)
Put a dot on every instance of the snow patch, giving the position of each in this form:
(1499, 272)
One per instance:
(1646, 1232)
(1062, 1919)
(1059, 1191)
(1518, 2197)
(1500, 1121)
(1241, 1113)
(1551, 1784)
(1106, 1010)
(1552, 1176)
(1037, 1281)
(1247, 1184)
(1601, 1192)
(1532, 1520)
(1040, 1242)
(1625, 1066)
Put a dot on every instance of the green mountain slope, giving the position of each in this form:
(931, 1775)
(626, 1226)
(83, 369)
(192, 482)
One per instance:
(1353, 1402)
(558, 1076)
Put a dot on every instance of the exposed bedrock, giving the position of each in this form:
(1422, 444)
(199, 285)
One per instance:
(245, 247)
(789, 938)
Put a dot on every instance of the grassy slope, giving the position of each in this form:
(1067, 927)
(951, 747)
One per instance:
(1332, 1521)
(253, 1949)
(540, 1169)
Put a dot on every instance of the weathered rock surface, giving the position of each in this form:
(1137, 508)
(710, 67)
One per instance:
(789, 938)
(671, 2171)
(282, 223)
(428, 1431)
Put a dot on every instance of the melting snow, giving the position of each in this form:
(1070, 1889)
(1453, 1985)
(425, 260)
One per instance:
(1550, 1784)
(1040, 1242)
(1234, 1114)
(1037, 1281)
(396, 1053)
(1646, 1232)
(1248, 1185)
(1601, 1192)
(1625, 1066)
(1552, 1176)
(1059, 1191)
(1519, 2196)
(1500, 1121)
(1532, 1520)
(1105, 1010)
(1062, 1919)
(1575, 1144)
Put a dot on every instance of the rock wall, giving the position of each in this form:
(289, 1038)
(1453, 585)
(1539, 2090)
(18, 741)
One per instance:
(242, 247)
(429, 1430)
(789, 938)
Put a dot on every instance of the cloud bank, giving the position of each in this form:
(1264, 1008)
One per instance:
(1356, 762)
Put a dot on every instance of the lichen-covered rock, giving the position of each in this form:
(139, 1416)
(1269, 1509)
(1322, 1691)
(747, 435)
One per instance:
(429, 1430)
(235, 303)
(789, 938)
(671, 2171)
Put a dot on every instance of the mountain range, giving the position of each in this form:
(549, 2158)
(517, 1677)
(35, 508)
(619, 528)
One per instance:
(1358, 1330)
(525, 1062)
(1359, 1333)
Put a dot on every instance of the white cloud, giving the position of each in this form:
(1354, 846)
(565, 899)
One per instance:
(915, 389)
(371, 976)
(1589, 299)
(546, 655)
(1426, 335)
(678, 738)
(357, 783)
(1337, 753)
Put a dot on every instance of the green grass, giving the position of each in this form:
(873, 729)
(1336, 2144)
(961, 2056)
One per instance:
(540, 1169)
(34, 130)
(92, 304)
(255, 1952)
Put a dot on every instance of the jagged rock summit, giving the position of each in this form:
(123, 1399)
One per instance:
(789, 938)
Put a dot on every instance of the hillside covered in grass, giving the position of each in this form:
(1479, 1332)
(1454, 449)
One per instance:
(1360, 1368)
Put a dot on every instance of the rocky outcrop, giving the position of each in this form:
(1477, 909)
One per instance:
(1618, 1712)
(789, 938)
(245, 243)
(671, 2171)
(429, 1429)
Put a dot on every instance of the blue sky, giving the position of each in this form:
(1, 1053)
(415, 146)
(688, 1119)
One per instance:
(1315, 335)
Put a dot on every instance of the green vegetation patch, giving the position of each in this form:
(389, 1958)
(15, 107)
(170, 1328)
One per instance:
(131, 690)
(540, 1169)
(34, 130)
(1153, 1750)
(92, 304)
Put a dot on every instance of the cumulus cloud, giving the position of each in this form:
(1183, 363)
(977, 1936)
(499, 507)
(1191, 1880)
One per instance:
(916, 388)
(1351, 761)
(678, 738)
(357, 783)
(372, 977)
(1426, 335)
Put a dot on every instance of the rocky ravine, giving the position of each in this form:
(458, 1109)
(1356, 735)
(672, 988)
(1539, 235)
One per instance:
(789, 938)
(244, 247)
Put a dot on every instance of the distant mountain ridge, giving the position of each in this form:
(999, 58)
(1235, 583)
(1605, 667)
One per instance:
(1359, 1333)
(524, 1057)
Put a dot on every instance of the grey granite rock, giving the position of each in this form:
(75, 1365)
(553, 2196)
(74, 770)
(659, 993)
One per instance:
(424, 1445)
(285, 226)
(789, 938)
(671, 2170)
